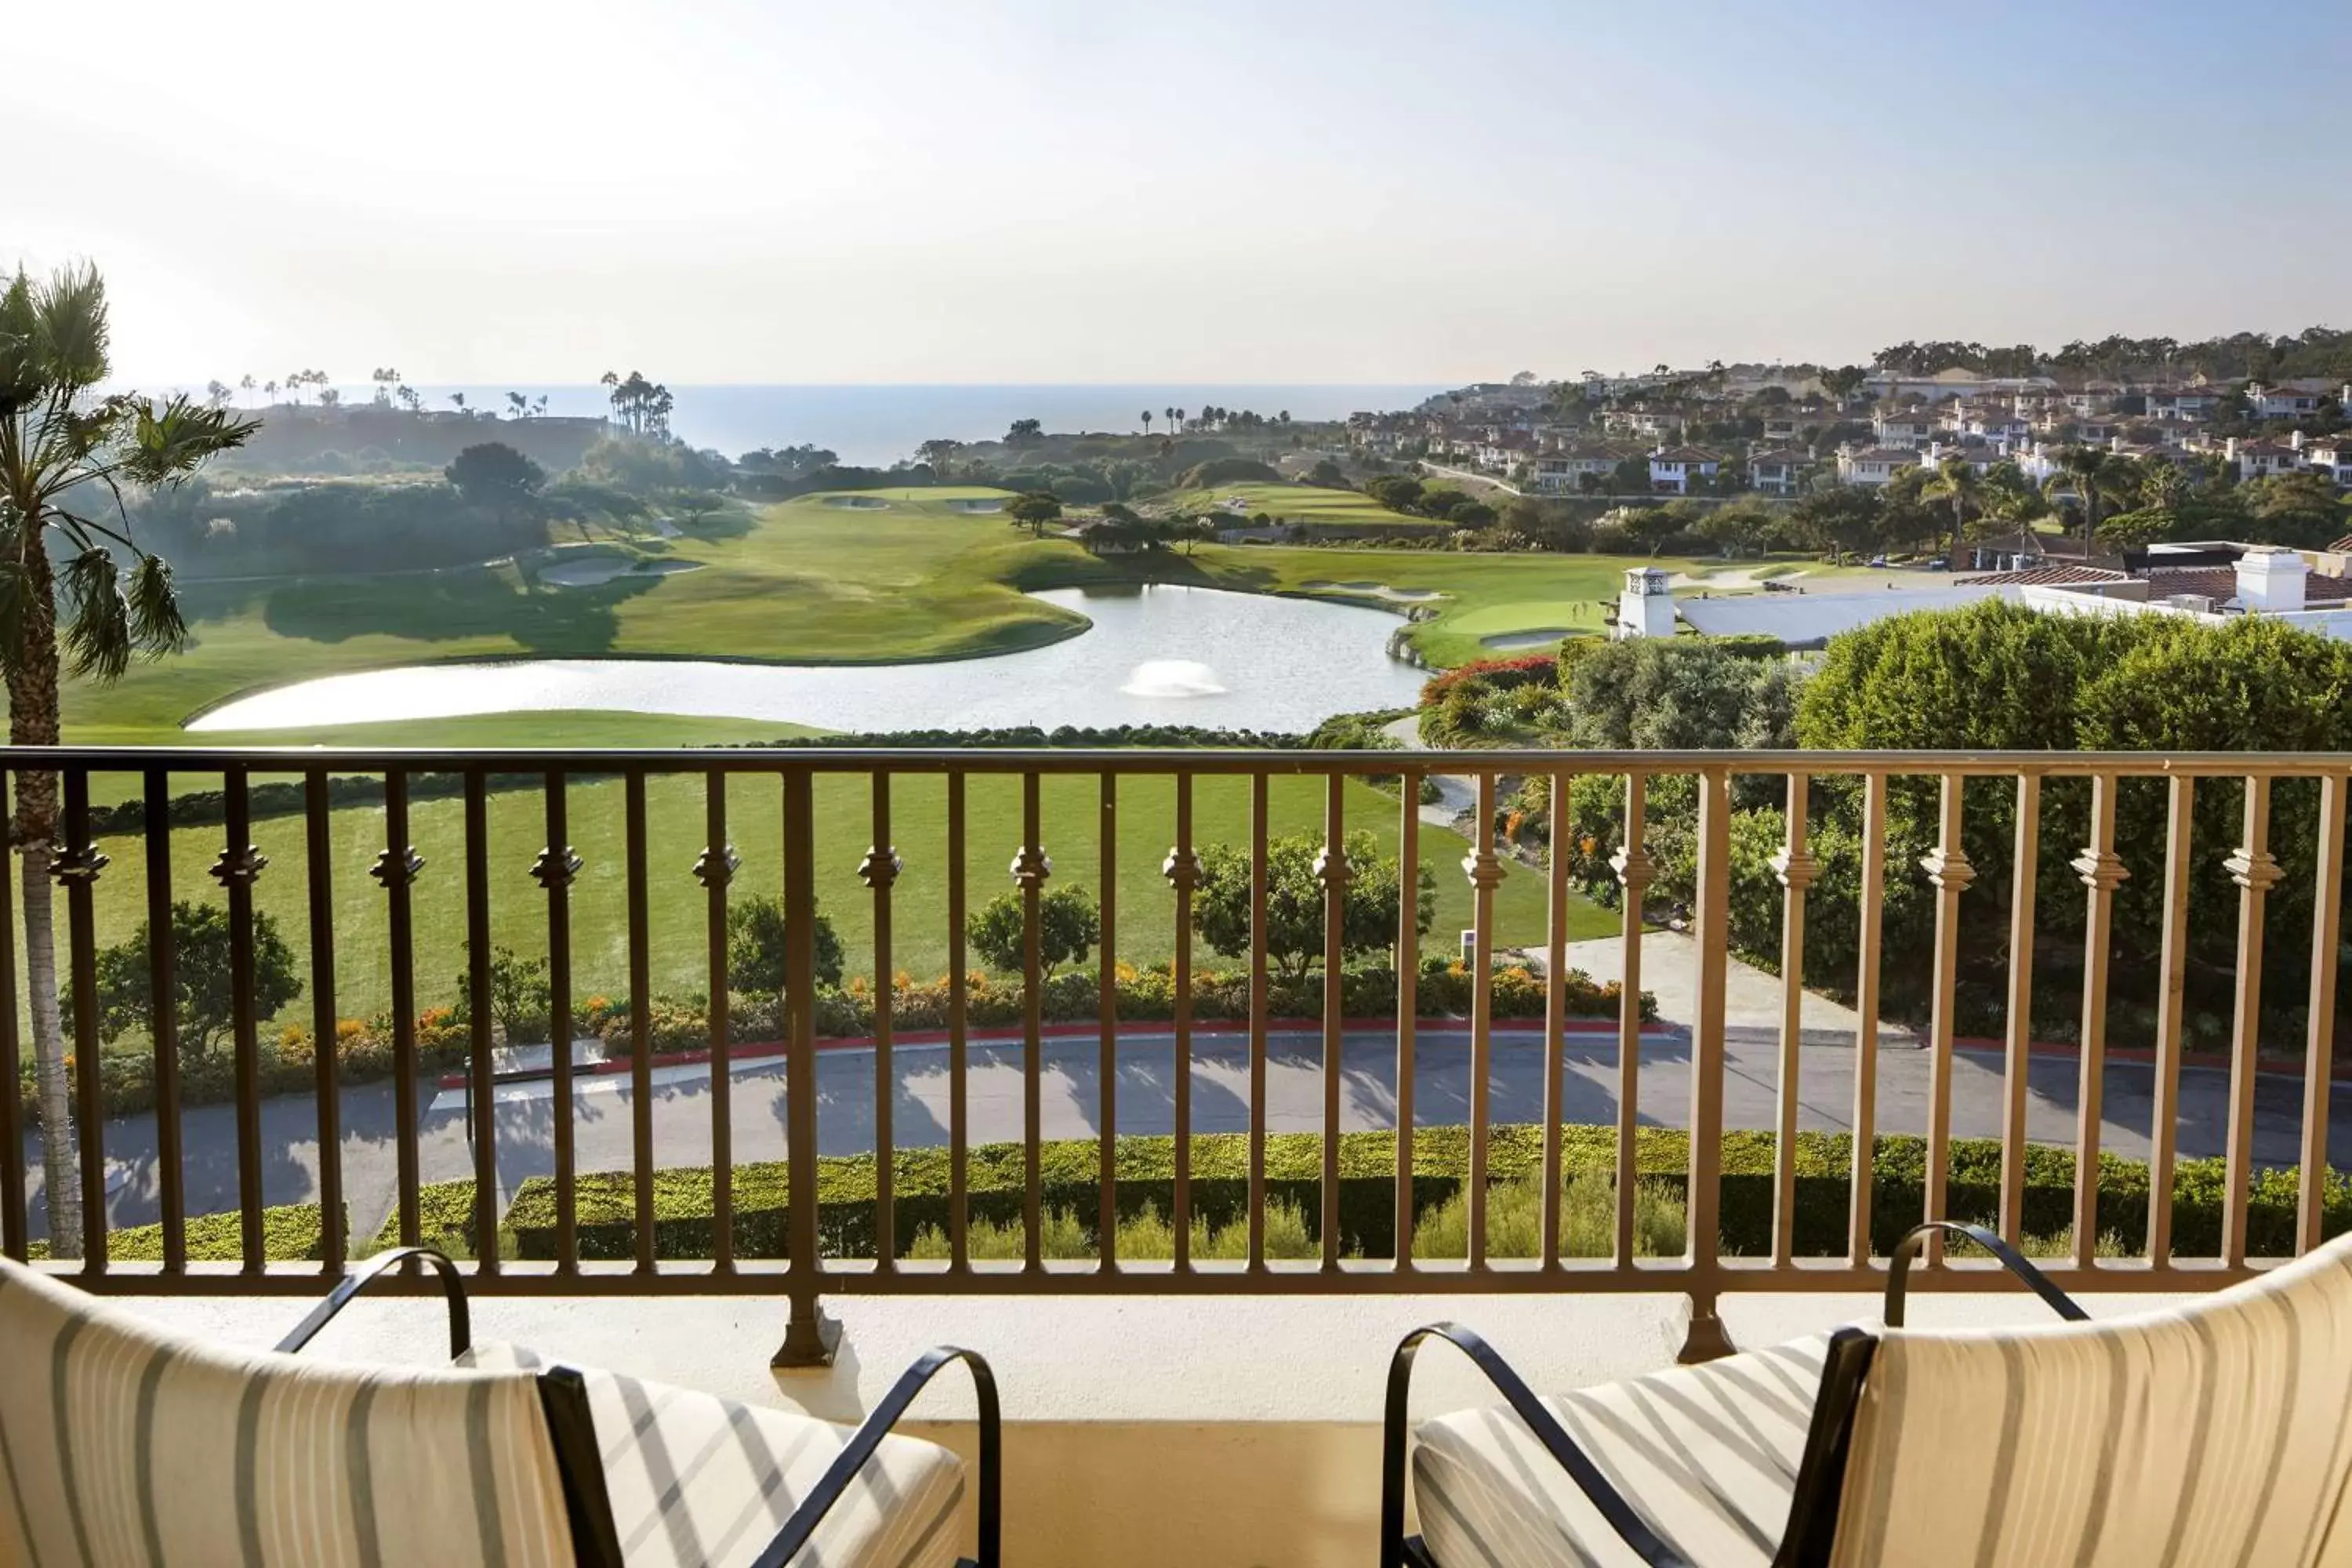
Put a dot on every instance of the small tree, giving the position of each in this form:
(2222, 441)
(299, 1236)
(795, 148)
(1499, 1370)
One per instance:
(1295, 901)
(1068, 926)
(1033, 511)
(755, 947)
(496, 477)
(200, 979)
(520, 996)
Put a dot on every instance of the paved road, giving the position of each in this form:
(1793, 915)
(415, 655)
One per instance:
(680, 1107)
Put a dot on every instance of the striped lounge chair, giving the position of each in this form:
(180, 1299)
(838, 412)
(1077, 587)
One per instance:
(122, 1444)
(2214, 1432)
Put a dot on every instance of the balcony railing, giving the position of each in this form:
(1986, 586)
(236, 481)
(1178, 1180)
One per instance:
(1844, 802)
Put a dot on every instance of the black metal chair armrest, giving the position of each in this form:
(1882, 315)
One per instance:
(869, 1437)
(453, 1286)
(1899, 1267)
(1629, 1526)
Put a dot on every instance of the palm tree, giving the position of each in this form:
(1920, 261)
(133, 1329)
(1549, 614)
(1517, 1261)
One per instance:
(269, 390)
(1147, 421)
(2090, 472)
(1171, 412)
(1956, 480)
(63, 451)
(519, 404)
(459, 398)
(248, 384)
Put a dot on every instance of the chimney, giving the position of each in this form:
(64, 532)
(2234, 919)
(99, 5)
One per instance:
(2295, 440)
(2270, 579)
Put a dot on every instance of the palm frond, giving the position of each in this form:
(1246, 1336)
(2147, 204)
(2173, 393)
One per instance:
(97, 632)
(70, 332)
(169, 441)
(156, 625)
(20, 379)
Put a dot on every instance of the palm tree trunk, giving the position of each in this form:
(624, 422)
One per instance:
(33, 722)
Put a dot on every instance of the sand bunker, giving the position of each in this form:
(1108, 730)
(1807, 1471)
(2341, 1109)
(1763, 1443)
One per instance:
(1378, 591)
(597, 571)
(975, 506)
(1537, 636)
(591, 573)
(1725, 581)
(862, 503)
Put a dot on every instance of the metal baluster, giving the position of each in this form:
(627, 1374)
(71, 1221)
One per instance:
(163, 1024)
(1331, 869)
(1107, 1007)
(395, 870)
(318, 850)
(2164, 1121)
(808, 1336)
(2025, 870)
(1866, 1001)
(1796, 867)
(715, 867)
(1948, 869)
(878, 871)
(1258, 1025)
(1634, 869)
(1030, 868)
(1555, 1018)
(1484, 871)
(481, 1075)
(554, 870)
(1408, 974)
(2318, 1061)
(1705, 1337)
(959, 1065)
(13, 1239)
(1183, 869)
(2256, 872)
(78, 868)
(641, 1026)
(2102, 871)
(239, 864)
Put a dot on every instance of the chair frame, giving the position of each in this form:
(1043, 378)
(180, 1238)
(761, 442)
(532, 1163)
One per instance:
(564, 1395)
(1821, 1473)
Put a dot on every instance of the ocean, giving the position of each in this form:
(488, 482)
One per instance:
(877, 426)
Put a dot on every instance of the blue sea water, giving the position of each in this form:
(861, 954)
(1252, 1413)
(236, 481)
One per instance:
(879, 425)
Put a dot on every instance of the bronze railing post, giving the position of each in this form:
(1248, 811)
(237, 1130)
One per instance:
(239, 866)
(1796, 866)
(163, 1024)
(715, 868)
(1484, 871)
(2319, 1050)
(1408, 972)
(2102, 871)
(13, 1239)
(1106, 1055)
(2256, 872)
(1865, 1002)
(77, 867)
(1332, 870)
(2017, 1062)
(482, 1076)
(1030, 868)
(641, 1026)
(809, 1336)
(880, 871)
(2171, 1004)
(395, 870)
(1183, 869)
(318, 849)
(1555, 1047)
(1634, 872)
(1706, 1337)
(1948, 869)
(554, 870)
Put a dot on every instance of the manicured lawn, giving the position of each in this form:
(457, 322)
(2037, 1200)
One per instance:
(676, 902)
(1295, 503)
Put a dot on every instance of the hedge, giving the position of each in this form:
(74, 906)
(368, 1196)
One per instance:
(1220, 1190)
(290, 1233)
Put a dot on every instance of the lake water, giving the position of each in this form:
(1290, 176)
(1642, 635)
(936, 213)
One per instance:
(1155, 654)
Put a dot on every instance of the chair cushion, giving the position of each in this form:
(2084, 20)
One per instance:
(702, 1482)
(1706, 1453)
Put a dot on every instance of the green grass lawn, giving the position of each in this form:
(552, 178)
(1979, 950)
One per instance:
(1295, 503)
(676, 902)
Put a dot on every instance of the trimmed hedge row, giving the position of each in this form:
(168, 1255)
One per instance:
(290, 1233)
(1220, 1186)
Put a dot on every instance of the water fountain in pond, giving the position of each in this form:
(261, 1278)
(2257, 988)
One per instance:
(1172, 678)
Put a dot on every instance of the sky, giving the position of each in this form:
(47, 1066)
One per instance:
(1265, 190)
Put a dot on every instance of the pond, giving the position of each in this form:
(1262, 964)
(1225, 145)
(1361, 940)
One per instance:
(1155, 654)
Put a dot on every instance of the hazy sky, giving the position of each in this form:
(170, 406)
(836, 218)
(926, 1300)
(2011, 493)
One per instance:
(1081, 191)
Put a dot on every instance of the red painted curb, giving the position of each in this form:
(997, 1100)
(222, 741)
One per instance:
(753, 1050)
